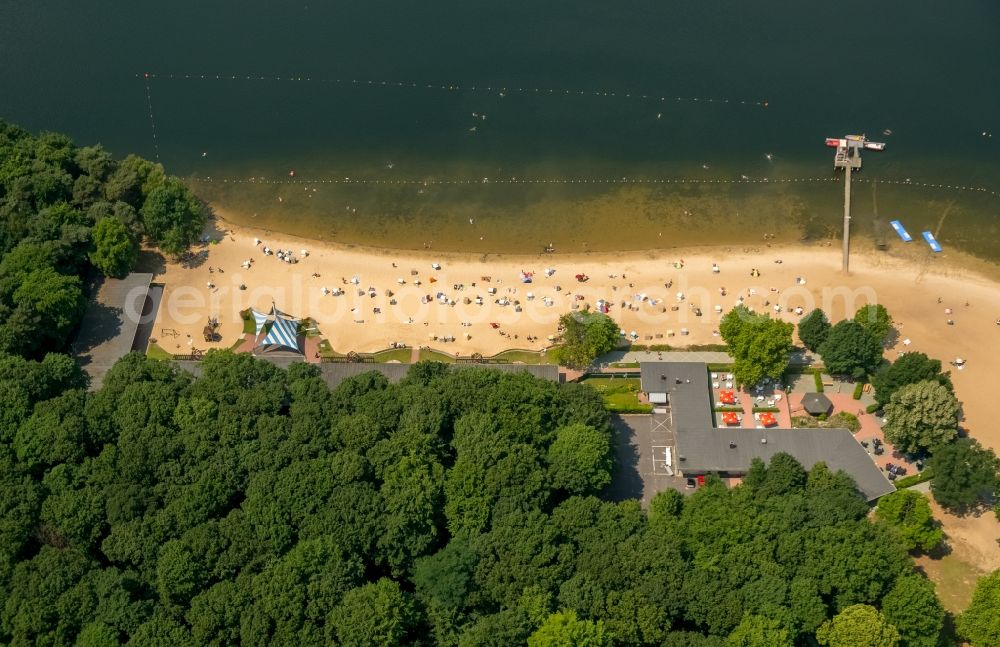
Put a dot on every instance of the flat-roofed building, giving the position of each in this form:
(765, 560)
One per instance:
(729, 453)
(701, 448)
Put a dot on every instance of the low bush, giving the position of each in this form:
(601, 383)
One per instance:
(766, 410)
(846, 420)
(914, 479)
(818, 377)
(858, 390)
(872, 408)
(730, 409)
(641, 408)
(713, 348)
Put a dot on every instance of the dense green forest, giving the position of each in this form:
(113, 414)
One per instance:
(254, 506)
(65, 210)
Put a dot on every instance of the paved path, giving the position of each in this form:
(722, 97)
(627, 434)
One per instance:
(414, 355)
(708, 357)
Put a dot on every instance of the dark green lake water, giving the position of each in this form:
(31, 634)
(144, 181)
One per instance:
(926, 71)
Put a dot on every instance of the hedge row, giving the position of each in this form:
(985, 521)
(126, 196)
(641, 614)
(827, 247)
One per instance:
(914, 479)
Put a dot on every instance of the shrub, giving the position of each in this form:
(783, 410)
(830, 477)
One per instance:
(846, 420)
(914, 479)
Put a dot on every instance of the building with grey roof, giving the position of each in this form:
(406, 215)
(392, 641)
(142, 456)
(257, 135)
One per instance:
(729, 452)
(108, 329)
(682, 385)
(701, 448)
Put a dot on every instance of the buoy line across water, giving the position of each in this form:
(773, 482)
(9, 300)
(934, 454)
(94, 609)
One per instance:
(621, 180)
(500, 90)
(152, 121)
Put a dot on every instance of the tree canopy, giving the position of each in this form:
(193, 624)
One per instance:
(564, 629)
(759, 631)
(851, 349)
(759, 345)
(909, 513)
(967, 475)
(913, 608)
(65, 209)
(980, 623)
(908, 369)
(922, 416)
(255, 506)
(173, 217)
(115, 248)
(585, 336)
(860, 625)
(876, 320)
(813, 329)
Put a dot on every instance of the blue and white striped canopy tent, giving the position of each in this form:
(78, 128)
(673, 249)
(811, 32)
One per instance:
(260, 318)
(279, 329)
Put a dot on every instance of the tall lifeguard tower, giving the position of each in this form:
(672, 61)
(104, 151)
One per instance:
(848, 157)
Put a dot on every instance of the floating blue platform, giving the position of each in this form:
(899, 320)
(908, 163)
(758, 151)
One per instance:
(901, 230)
(929, 237)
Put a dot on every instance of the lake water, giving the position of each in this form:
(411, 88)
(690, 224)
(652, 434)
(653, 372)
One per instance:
(590, 114)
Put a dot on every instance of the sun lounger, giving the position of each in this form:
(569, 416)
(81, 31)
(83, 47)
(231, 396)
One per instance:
(898, 226)
(934, 245)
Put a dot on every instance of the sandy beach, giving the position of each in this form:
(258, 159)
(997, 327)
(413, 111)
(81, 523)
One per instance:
(399, 297)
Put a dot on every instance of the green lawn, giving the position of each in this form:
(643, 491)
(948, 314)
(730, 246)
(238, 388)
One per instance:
(326, 350)
(401, 355)
(526, 356)
(249, 325)
(619, 393)
(155, 351)
(429, 354)
(954, 580)
(309, 325)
